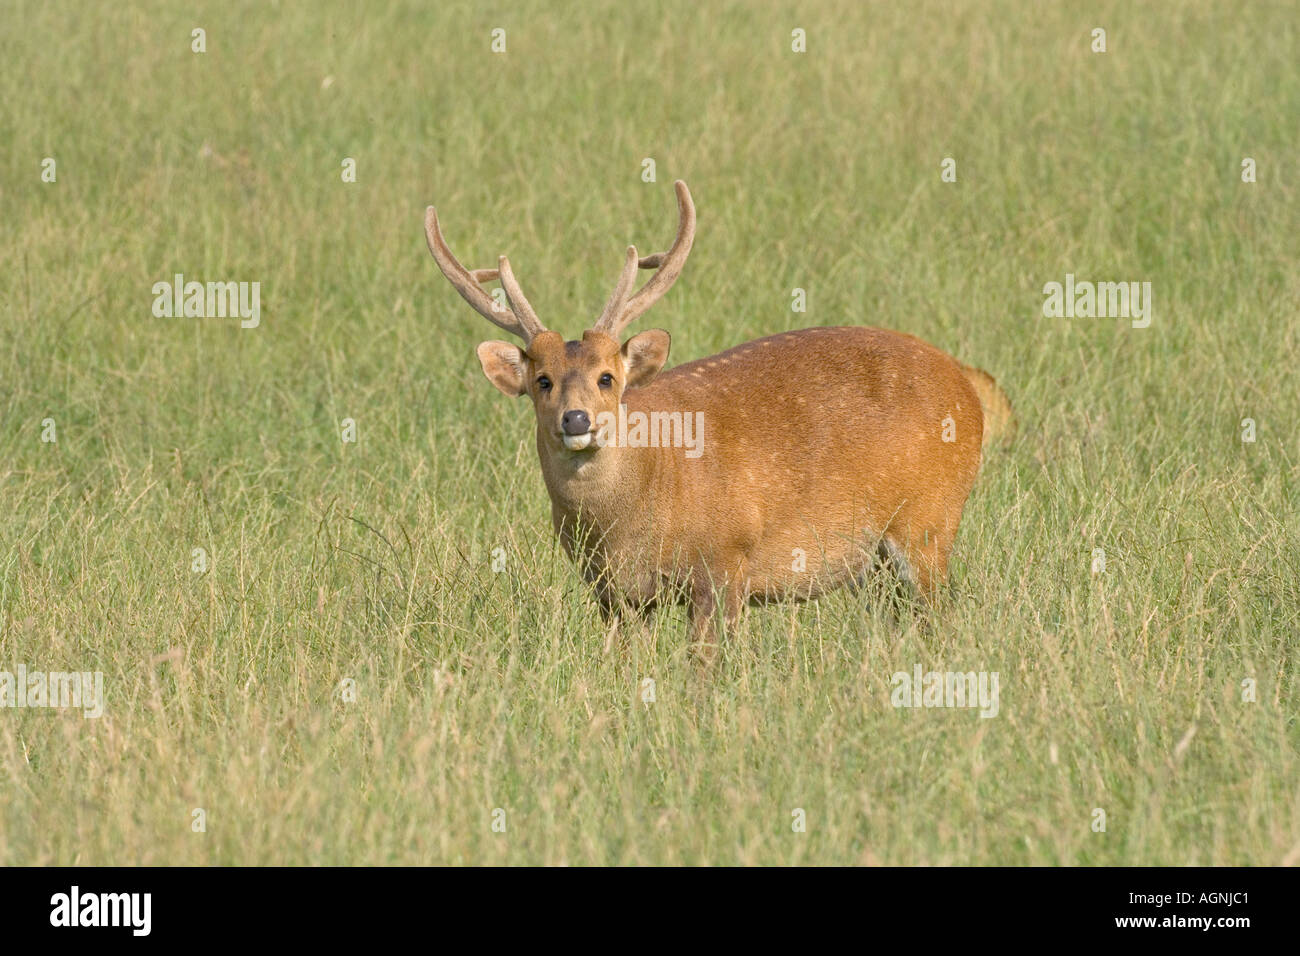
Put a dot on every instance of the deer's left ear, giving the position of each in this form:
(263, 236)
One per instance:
(644, 354)
(503, 364)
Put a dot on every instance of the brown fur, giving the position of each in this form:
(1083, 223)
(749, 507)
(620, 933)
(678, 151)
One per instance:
(821, 450)
(999, 418)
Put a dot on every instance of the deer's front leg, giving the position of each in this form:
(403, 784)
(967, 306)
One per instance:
(706, 630)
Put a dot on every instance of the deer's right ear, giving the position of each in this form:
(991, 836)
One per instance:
(503, 364)
(645, 354)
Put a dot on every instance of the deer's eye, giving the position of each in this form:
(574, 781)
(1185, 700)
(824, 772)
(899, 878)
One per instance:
(606, 380)
(544, 383)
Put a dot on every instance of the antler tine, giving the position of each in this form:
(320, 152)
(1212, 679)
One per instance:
(618, 300)
(528, 319)
(525, 325)
(668, 263)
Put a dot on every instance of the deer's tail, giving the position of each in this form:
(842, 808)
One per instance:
(999, 416)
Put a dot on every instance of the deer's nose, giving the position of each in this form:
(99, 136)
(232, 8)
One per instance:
(576, 422)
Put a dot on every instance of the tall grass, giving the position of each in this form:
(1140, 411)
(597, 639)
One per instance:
(1120, 691)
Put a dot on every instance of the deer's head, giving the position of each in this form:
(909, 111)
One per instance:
(571, 383)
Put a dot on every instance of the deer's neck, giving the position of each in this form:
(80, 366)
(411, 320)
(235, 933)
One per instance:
(604, 489)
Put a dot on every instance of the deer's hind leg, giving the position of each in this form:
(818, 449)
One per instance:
(922, 561)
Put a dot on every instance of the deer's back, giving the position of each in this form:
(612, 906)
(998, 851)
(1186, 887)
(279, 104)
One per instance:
(813, 437)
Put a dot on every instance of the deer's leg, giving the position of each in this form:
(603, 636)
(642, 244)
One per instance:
(614, 611)
(706, 632)
(611, 609)
(926, 557)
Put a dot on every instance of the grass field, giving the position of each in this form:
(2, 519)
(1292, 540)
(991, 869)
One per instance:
(371, 561)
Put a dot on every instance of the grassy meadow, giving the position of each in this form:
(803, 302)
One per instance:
(346, 679)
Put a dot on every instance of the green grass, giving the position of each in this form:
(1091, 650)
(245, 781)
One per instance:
(372, 561)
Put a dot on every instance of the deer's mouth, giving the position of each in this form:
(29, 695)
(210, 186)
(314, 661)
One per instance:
(579, 442)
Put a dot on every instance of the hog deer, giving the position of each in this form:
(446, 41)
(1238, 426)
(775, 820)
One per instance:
(819, 453)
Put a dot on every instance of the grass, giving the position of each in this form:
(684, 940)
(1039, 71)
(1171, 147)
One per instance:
(372, 561)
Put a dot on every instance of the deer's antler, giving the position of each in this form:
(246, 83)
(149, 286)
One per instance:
(519, 319)
(624, 308)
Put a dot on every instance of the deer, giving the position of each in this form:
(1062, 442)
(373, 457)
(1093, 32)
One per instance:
(823, 455)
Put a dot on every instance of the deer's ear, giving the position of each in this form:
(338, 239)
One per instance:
(503, 364)
(645, 354)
